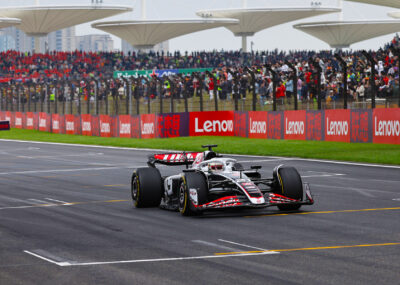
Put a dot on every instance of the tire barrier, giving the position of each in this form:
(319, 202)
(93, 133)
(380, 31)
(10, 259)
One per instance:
(355, 126)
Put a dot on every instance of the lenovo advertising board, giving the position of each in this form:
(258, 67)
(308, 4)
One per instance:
(148, 126)
(211, 123)
(86, 120)
(275, 125)
(240, 124)
(55, 123)
(295, 125)
(124, 126)
(95, 125)
(258, 122)
(315, 125)
(337, 125)
(135, 126)
(29, 121)
(386, 126)
(105, 126)
(173, 125)
(70, 124)
(18, 124)
(360, 126)
(44, 124)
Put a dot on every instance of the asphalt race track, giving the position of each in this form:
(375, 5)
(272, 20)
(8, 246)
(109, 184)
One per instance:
(66, 218)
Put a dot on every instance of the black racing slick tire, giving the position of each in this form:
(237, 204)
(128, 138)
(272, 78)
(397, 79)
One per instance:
(192, 180)
(289, 184)
(146, 187)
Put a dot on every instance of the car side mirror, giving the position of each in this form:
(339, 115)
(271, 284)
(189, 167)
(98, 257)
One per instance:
(256, 167)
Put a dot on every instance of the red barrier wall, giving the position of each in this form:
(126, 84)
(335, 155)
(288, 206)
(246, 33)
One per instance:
(378, 126)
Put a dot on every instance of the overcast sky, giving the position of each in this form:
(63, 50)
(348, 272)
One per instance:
(283, 37)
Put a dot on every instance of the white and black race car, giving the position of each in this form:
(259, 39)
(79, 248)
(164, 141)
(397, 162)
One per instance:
(212, 182)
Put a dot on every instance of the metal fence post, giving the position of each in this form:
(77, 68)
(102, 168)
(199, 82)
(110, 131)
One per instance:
(372, 79)
(343, 64)
(295, 79)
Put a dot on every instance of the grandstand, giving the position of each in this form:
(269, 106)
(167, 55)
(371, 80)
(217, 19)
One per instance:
(149, 82)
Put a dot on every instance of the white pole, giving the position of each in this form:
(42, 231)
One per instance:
(37, 2)
(244, 3)
(144, 16)
(244, 43)
(340, 4)
(37, 45)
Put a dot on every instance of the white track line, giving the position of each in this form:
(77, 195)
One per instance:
(323, 175)
(215, 245)
(67, 264)
(241, 244)
(239, 155)
(54, 200)
(36, 201)
(46, 259)
(59, 170)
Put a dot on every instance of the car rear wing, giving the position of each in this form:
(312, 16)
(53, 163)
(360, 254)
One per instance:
(4, 125)
(173, 159)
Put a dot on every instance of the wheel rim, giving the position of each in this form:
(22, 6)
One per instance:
(181, 196)
(134, 188)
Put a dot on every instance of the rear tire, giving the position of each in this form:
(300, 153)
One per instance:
(146, 187)
(288, 184)
(192, 180)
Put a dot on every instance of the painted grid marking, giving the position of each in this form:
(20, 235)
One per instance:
(216, 255)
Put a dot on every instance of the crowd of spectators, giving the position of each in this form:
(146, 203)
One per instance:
(86, 72)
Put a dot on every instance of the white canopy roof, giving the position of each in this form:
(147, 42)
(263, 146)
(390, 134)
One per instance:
(253, 20)
(394, 14)
(8, 22)
(41, 20)
(388, 3)
(147, 33)
(343, 34)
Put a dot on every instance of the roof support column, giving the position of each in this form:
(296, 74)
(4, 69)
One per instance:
(340, 6)
(37, 45)
(144, 15)
(244, 43)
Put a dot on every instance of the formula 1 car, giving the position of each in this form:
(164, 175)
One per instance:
(214, 182)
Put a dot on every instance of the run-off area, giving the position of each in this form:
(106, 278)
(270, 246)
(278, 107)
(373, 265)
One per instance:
(66, 215)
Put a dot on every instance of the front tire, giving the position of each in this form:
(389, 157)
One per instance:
(146, 187)
(192, 180)
(288, 184)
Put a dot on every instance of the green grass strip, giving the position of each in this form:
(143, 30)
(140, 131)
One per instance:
(358, 152)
